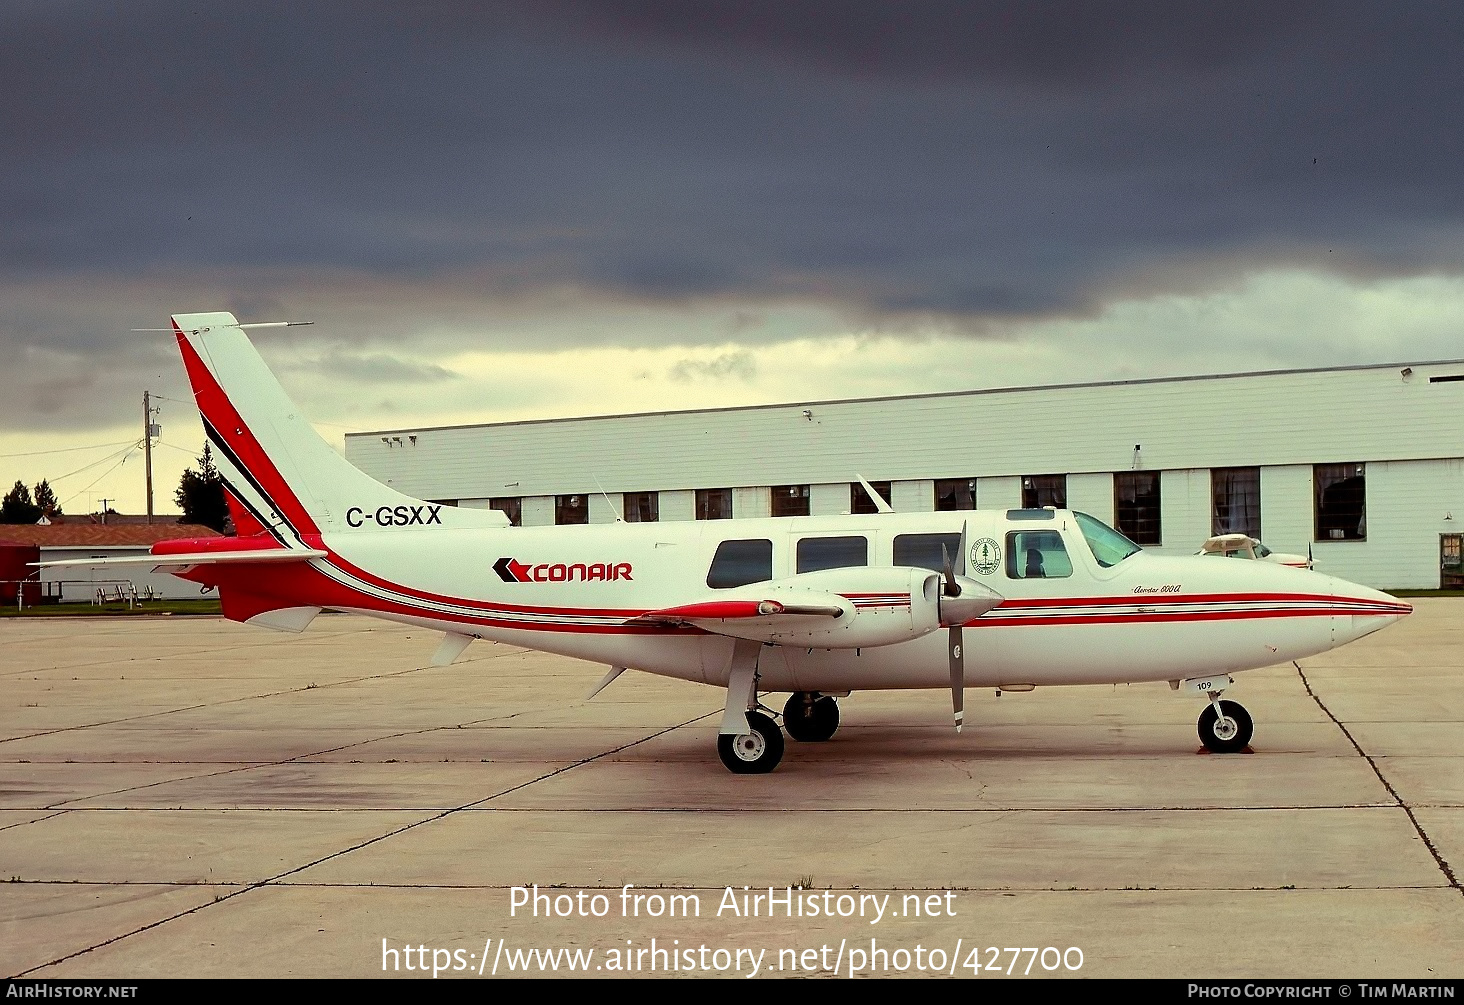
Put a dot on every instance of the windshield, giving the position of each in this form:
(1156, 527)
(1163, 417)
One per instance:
(1109, 546)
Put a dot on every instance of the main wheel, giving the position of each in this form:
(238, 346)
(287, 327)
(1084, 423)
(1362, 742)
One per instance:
(810, 721)
(752, 753)
(1226, 730)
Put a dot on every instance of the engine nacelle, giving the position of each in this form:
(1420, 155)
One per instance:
(875, 607)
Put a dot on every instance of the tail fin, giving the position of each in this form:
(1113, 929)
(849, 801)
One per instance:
(279, 473)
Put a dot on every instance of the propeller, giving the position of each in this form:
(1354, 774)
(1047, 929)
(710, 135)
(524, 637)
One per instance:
(959, 604)
(951, 590)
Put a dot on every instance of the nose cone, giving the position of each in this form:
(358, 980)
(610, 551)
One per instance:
(1362, 610)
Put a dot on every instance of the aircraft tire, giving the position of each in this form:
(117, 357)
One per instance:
(1223, 741)
(755, 752)
(811, 722)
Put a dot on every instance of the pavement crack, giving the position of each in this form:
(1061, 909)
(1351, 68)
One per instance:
(363, 844)
(1371, 763)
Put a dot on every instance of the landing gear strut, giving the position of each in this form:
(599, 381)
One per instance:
(810, 717)
(755, 752)
(1225, 726)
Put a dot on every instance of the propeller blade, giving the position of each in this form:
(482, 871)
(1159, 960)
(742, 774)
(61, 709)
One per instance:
(958, 676)
(952, 588)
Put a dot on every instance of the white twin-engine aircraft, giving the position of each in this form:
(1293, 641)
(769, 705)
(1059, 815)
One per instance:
(816, 606)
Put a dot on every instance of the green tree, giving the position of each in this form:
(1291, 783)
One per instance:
(17, 506)
(200, 494)
(46, 500)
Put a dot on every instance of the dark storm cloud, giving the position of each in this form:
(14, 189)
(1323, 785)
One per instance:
(948, 160)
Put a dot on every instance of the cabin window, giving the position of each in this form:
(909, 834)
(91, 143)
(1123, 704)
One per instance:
(1044, 490)
(714, 504)
(955, 493)
(1341, 501)
(738, 563)
(790, 500)
(1136, 506)
(923, 551)
(1235, 507)
(1037, 554)
(859, 501)
(816, 553)
(641, 507)
(511, 507)
(571, 509)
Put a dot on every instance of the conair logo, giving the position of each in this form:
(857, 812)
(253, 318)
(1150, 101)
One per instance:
(511, 570)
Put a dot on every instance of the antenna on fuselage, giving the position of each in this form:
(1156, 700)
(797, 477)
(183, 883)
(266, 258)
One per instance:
(881, 504)
(618, 517)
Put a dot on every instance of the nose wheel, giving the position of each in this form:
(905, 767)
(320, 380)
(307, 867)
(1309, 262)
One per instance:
(1225, 727)
(755, 752)
(811, 717)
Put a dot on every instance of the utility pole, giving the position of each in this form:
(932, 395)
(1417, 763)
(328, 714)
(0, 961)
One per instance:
(147, 438)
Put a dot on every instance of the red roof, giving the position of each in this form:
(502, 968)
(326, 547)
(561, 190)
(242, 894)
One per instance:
(95, 535)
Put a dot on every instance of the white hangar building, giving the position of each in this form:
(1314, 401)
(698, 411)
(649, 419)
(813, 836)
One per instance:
(1363, 465)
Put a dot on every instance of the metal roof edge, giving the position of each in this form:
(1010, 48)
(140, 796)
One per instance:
(1017, 389)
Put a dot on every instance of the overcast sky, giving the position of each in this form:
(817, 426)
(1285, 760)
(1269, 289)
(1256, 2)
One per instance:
(564, 208)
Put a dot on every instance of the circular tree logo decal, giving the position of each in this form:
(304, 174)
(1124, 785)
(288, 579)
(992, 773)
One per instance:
(986, 556)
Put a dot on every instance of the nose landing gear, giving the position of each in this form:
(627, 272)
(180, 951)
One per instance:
(1225, 726)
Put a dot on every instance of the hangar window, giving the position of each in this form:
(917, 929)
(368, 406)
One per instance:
(1341, 501)
(641, 507)
(1136, 506)
(955, 493)
(738, 563)
(1235, 495)
(444, 502)
(714, 504)
(511, 507)
(817, 553)
(1044, 490)
(1037, 554)
(790, 500)
(859, 501)
(923, 551)
(571, 509)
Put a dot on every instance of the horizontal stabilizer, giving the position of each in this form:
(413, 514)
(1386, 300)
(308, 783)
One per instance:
(188, 560)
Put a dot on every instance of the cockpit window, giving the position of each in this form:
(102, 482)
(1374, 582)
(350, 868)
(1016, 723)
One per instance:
(1108, 545)
(1037, 554)
(738, 563)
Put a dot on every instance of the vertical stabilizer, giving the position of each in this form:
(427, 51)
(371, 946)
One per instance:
(277, 468)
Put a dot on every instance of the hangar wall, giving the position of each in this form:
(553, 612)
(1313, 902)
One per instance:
(1398, 423)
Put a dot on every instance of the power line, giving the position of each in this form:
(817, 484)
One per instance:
(126, 454)
(102, 460)
(65, 450)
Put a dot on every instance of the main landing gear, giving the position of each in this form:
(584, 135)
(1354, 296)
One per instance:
(1225, 726)
(755, 752)
(810, 717)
